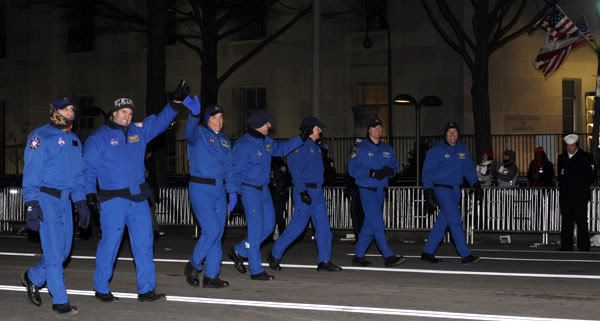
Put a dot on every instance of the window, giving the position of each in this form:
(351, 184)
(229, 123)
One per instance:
(370, 15)
(3, 25)
(84, 123)
(372, 94)
(255, 29)
(569, 103)
(80, 33)
(248, 100)
(171, 24)
(2, 137)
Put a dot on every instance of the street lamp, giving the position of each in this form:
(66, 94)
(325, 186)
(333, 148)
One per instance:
(405, 99)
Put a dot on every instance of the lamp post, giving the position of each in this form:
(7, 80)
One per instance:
(405, 99)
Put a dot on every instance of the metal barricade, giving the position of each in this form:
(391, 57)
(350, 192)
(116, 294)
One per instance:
(502, 210)
(11, 207)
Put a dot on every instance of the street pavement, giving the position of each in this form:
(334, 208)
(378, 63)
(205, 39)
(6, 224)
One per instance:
(511, 282)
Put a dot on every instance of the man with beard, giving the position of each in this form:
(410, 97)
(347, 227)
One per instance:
(53, 176)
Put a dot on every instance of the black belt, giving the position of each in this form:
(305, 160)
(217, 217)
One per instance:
(123, 192)
(203, 180)
(260, 188)
(311, 185)
(51, 191)
(443, 185)
(372, 189)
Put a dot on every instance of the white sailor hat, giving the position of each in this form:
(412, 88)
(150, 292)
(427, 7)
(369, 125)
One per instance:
(571, 139)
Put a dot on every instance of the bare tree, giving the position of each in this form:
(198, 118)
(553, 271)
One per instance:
(493, 26)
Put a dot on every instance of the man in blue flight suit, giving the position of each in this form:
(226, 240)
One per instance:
(252, 164)
(307, 169)
(53, 176)
(114, 157)
(372, 163)
(446, 164)
(209, 153)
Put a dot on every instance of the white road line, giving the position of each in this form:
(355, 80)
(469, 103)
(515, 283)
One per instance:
(494, 258)
(536, 251)
(373, 269)
(319, 307)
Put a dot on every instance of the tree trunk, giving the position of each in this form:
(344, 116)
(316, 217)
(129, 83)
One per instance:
(155, 86)
(480, 77)
(209, 91)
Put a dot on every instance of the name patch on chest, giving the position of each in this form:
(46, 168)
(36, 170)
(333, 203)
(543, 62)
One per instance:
(447, 155)
(258, 154)
(114, 142)
(225, 143)
(61, 141)
(370, 154)
(133, 138)
(387, 154)
(268, 147)
(461, 155)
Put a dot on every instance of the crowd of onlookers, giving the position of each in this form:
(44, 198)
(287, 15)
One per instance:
(539, 174)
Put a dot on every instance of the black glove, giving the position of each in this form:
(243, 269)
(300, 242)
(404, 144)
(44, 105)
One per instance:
(92, 202)
(34, 215)
(478, 192)
(388, 171)
(179, 94)
(305, 197)
(305, 133)
(84, 214)
(376, 174)
(430, 201)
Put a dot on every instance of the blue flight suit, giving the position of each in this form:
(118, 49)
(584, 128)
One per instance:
(444, 169)
(53, 176)
(210, 158)
(306, 166)
(367, 156)
(252, 166)
(114, 156)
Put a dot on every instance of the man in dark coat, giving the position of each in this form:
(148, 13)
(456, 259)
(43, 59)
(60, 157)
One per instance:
(575, 175)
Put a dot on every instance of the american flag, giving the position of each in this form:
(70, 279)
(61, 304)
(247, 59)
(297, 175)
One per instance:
(584, 29)
(557, 24)
(554, 53)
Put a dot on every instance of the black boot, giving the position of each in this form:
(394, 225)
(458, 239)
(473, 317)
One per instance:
(33, 293)
(274, 263)
(429, 258)
(471, 259)
(394, 261)
(238, 261)
(360, 261)
(215, 283)
(108, 297)
(64, 309)
(263, 276)
(151, 297)
(191, 275)
(328, 266)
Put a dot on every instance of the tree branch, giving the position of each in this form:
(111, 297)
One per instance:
(460, 50)
(501, 31)
(501, 42)
(188, 44)
(263, 44)
(460, 33)
(253, 16)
